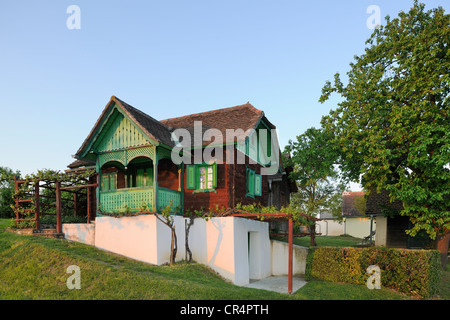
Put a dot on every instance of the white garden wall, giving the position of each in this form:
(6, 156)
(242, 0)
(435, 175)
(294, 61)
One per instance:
(80, 232)
(358, 227)
(133, 237)
(280, 258)
(330, 227)
(238, 249)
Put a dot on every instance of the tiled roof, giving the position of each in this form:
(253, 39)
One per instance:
(81, 163)
(151, 126)
(348, 204)
(245, 117)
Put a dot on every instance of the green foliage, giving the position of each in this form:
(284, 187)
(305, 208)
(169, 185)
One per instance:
(313, 160)
(360, 203)
(296, 214)
(392, 126)
(51, 220)
(47, 182)
(6, 191)
(413, 272)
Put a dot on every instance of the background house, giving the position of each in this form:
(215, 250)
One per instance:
(391, 226)
(329, 225)
(355, 221)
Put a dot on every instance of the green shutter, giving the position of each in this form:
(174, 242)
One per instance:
(250, 182)
(247, 186)
(190, 177)
(109, 181)
(214, 175)
(113, 181)
(258, 184)
(105, 182)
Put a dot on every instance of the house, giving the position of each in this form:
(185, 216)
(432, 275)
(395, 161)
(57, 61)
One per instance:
(232, 157)
(356, 220)
(215, 159)
(391, 226)
(329, 225)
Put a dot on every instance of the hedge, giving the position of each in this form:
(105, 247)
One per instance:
(412, 272)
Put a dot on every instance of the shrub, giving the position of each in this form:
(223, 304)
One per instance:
(413, 272)
(51, 219)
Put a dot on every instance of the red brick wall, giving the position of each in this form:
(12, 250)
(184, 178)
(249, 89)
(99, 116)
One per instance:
(168, 174)
(221, 197)
(231, 188)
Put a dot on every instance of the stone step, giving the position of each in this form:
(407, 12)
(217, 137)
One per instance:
(48, 233)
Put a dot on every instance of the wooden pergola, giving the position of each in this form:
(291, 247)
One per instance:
(35, 196)
(280, 216)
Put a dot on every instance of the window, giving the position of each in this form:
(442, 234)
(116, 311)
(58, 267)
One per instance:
(201, 177)
(109, 181)
(205, 174)
(144, 177)
(253, 183)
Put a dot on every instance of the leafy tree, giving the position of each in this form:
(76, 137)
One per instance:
(360, 203)
(6, 191)
(392, 125)
(313, 160)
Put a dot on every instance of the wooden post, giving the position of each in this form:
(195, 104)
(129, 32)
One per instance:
(181, 177)
(58, 207)
(99, 183)
(75, 204)
(88, 205)
(290, 256)
(37, 206)
(155, 182)
(16, 188)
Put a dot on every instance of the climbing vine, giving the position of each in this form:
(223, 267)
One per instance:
(28, 183)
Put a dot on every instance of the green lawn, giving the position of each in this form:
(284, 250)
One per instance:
(334, 241)
(35, 268)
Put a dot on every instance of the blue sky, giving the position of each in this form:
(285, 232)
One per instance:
(168, 58)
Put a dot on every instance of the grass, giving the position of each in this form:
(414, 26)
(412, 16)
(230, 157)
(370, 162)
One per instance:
(34, 268)
(334, 241)
(445, 289)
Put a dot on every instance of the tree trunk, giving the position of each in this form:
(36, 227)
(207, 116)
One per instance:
(442, 245)
(174, 246)
(188, 250)
(312, 231)
(173, 243)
